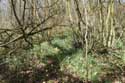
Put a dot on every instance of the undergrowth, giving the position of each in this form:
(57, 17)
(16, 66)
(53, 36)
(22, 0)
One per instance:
(70, 60)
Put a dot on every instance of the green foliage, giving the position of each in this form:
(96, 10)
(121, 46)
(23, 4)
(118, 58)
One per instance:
(22, 61)
(44, 49)
(123, 57)
(76, 64)
(119, 44)
(71, 60)
(61, 43)
(35, 56)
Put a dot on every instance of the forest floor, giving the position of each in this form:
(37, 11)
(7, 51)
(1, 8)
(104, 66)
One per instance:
(51, 73)
(63, 63)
